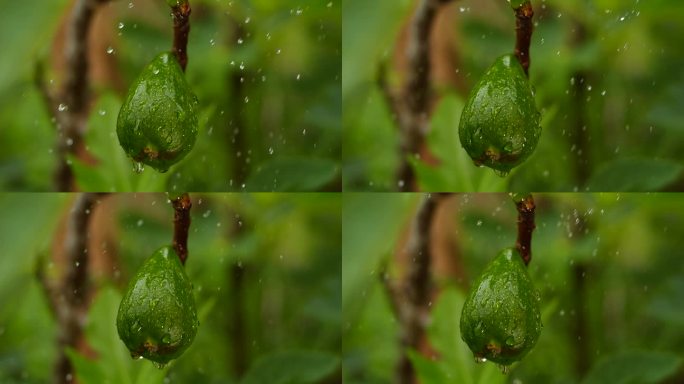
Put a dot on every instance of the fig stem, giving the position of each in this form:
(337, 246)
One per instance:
(181, 225)
(523, 34)
(181, 29)
(525, 205)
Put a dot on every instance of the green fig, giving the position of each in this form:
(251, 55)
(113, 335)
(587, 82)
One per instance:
(157, 316)
(499, 125)
(500, 320)
(157, 123)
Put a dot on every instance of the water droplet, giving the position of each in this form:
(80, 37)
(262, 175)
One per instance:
(155, 71)
(121, 25)
(69, 141)
(501, 173)
(138, 167)
(110, 50)
(240, 41)
(504, 368)
(140, 222)
(62, 107)
(270, 150)
(159, 365)
(480, 360)
(130, 5)
(101, 112)
(166, 339)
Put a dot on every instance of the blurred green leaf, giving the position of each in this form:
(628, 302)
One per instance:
(427, 370)
(292, 367)
(293, 174)
(634, 175)
(643, 367)
(114, 362)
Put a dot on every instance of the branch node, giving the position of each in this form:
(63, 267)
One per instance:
(523, 34)
(526, 226)
(181, 225)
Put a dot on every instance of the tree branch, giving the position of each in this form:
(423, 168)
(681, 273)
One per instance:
(523, 34)
(411, 107)
(526, 226)
(181, 29)
(71, 304)
(69, 106)
(410, 299)
(181, 225)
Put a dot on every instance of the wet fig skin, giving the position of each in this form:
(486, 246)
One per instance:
(499, 125)
(157, 317)
(501, 321)
(157, 123)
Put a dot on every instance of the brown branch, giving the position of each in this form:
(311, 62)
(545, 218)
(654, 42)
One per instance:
(410, 299)
(69, 106)
(523, 34)
(411, 107)
(71, 305)
(526, 226)
(181, 225)
(181, 29)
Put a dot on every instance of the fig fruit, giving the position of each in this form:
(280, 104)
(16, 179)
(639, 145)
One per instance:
(499, 125)
(157, 123)
(157, 317)
(500, 320)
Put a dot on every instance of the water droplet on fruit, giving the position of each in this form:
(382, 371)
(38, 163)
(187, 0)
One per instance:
(138, 167)
(480, 360)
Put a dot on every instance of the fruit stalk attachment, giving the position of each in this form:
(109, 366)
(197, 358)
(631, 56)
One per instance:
(180, 11)
(523, 33)
(525, 205)
(181, 225)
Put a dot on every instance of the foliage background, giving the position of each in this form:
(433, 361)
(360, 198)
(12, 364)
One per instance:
(619, 130)
(286, 247)
(619, 273)
(286, 105)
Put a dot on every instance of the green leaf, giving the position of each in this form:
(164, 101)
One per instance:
(293, 174)
(290, 367)
(636, 366)
(634, 175)
(427, 371)
(371, 224)
(86, 370)
(113, 170)
(114, 362)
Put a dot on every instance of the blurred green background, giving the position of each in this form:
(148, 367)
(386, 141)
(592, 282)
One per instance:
(267, 75)
(608, 267)
(266, 275)
(609, 82)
